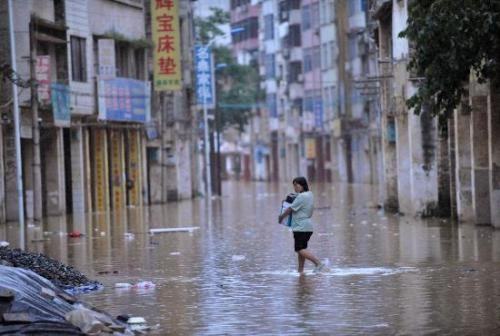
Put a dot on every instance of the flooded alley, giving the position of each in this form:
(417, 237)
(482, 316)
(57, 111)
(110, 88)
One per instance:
(236, 274)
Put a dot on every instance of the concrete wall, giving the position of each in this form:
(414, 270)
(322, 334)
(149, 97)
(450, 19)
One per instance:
(463, 163)
(54, 179)
(494, 153)
(479, 133)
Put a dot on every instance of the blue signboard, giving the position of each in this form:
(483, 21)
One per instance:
(60, 104)
(124, 99)
(205, 88)
(318, 113)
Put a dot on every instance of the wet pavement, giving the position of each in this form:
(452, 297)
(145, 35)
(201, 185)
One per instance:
(388, 274)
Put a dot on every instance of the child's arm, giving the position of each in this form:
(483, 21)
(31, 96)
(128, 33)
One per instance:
(285, 214)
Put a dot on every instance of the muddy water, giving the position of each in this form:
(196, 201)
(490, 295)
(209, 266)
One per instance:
(236, 273)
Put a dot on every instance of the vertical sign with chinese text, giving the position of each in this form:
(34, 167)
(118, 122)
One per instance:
(204, 76)
(100, 169)
(166, 40)
(42, 74)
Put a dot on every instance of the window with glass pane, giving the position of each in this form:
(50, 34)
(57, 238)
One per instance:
(269, 27)
(306, 17)
(78, 59)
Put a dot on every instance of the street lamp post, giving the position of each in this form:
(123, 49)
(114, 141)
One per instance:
(218, 130)
(17, 135)
(208, 182)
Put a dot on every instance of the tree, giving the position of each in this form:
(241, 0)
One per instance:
(450, 39)
(238, 89)
(238, 86)
(208, 28)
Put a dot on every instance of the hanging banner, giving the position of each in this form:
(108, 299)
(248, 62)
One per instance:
(166, 40)
(310, 148)
(117, 173)
(205, 88)
(106, 58)
(134, 164)
(123, 99)
(60, 104)
(100, 169)
(42, 75)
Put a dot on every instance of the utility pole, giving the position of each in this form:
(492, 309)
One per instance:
(17, 133)
(37, 174)
(208, 182)
(218, 127)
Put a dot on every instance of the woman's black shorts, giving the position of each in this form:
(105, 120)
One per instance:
(301, 239)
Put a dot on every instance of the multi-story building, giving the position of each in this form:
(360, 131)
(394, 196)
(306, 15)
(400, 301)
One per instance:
(172, 148)
(84, 139)
(409, 141)
(247, 22)
(357, 126)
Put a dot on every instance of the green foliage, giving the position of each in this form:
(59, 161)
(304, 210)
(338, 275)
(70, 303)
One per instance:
(141, 43)
(238, 89)
(238, 86)
(451, 38)
(208, 28)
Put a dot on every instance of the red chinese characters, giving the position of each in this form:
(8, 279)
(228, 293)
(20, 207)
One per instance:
(165, 24)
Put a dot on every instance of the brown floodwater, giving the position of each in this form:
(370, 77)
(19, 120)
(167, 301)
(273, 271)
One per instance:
(389, 274)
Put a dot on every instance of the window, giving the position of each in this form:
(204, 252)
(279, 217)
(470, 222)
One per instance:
(270, 66)
(324, 56)
(306, 17)
(294, 70)
(314, 14)
(353, 49)
(308, 102)
(316, 57)
(364, 5)
(323, 12)
(269, 27)
(59, 11)
(352, 9)
(307, 60)
(333, 54)
(293, 4)
(333, 102)
(238, 3)
(271, 105)
(294, 36)
(250, 29)
(78, 59)
(122, 59)
(139, 64)
(283, 10)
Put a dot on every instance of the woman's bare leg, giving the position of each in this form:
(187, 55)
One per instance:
(308, 255)
(302, 261)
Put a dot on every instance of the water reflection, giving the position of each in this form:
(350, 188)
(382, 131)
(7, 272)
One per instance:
(390, 274)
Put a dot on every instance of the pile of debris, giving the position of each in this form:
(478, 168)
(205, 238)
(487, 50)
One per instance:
(59, 274)
(30, 304)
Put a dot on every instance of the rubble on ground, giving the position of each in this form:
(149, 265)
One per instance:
(61, 275)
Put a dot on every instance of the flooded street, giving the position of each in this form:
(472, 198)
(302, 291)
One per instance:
(389, 274)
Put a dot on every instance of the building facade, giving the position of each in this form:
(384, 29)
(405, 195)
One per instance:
(87, 139)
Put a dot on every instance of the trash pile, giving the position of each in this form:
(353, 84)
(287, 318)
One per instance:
(30, 304)
(61, 275)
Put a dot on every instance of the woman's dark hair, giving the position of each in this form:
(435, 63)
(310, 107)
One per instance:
(301, 181)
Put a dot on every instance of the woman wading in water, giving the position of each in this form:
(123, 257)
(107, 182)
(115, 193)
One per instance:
(302, 211)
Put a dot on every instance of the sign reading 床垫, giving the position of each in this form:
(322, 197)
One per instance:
(166, 40)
